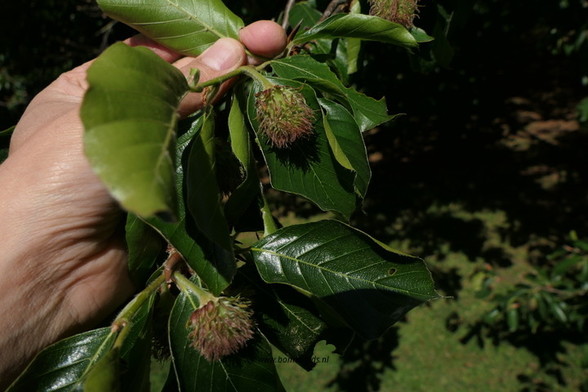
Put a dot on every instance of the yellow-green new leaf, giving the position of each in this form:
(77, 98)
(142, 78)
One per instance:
(129, 115)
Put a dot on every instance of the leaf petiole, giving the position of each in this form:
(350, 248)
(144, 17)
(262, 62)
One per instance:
(185, 285)
(123, 321)
(246, 69)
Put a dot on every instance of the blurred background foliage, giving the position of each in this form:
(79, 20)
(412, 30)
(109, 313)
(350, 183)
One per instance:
(485, 175)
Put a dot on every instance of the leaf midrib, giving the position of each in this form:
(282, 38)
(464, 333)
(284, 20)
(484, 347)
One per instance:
(195, 18)
(340, 274)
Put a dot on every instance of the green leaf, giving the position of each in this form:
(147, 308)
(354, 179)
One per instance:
(365, 27)
(367, 111)
(353, 44)
(292, 325)
(104, 376)
(420, 35)
(203, 195)
(333, 53)
(582, 109)
(214, 265)
(288, 319)
(304, 14)
(251, 369)
(188, 27)
(246, 193)
(62, 366)
(135, 350)
(307, 168)
(129, 113)
(8, 131)
(368, 286)
(347, 143)
(145, 247)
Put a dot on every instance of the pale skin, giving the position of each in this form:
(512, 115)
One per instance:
(63, 265)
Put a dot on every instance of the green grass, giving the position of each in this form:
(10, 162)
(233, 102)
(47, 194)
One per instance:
(431, 358)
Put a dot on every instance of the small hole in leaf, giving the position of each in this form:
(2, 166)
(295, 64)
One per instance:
(391, 271)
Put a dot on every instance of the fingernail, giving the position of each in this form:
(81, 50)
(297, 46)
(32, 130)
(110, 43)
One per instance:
(225, 54)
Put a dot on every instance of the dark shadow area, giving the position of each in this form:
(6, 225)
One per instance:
(364, 363)
(496, 131)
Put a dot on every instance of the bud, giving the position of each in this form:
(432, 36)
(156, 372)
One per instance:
(400, 11)
(284, 116)
(220, 327)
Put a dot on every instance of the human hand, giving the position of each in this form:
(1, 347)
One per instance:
(64, 264)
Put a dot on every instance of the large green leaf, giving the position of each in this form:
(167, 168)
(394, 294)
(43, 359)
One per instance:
(203, 194)
(187, 26)
(129, 113)
(347, 143)
(368, 286)
(213, 264)
(308, 167)
(365, 27)
(251, 369)
(249, 189)
(62, 366)
(367, 111)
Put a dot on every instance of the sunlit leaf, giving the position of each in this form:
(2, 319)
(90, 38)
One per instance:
(347, 143)
(129, 115)
(367, 111)
(308, 168)
(368, 286)
(187, 26)
(365, 27)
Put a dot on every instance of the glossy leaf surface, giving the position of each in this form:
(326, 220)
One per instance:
(365, 27)
(187, 26)
(129, 115)
(368, 286)
(104, 376)
(308, 167)
(291, 325)
(252, 368)
(62, 366)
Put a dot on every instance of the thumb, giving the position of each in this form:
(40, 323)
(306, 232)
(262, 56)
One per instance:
(225, 55)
